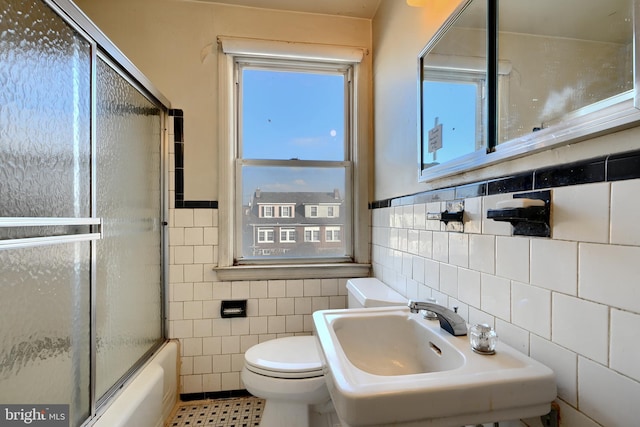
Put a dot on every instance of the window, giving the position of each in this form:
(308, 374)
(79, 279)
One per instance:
(292, 146)
(287, 235)
(267, 211)
(285, 211)
(312, 234)
(330, 212)
(265, 235)
(332, 234)
(292, 114)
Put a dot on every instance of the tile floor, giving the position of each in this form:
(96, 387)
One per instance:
(236, 412)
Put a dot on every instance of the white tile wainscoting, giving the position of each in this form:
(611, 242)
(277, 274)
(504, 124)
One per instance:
(212, 348)
(571, 301)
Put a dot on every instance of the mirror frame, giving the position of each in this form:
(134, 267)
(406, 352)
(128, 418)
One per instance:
(610, 115)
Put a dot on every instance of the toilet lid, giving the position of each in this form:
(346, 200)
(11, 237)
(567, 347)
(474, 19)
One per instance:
(290, 357)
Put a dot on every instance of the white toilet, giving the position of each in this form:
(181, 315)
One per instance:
(287, 372)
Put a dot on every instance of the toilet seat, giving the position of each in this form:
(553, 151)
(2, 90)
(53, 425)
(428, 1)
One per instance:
(291, 358)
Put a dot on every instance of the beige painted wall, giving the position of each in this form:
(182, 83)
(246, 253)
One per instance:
(171, 42)
(399, 34)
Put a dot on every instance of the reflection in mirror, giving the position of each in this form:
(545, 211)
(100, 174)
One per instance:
(453, 83)
(566, 56)
(561, 71)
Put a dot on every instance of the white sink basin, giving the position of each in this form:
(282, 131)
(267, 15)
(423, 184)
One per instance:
(387, 366)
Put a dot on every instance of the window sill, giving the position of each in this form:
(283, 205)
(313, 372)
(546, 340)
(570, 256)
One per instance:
(292, 271)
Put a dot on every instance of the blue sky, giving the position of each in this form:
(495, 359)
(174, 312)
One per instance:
(287, 114)
(292, 115)
(454, 104)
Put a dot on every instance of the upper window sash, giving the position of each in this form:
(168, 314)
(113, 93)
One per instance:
(346, 70)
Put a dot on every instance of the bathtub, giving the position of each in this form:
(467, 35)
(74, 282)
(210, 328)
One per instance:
(148, 399)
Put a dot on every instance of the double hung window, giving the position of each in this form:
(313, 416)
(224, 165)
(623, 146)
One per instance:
(292, 130)
(293, 150)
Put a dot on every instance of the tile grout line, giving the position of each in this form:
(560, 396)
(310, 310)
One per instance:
(233, 412)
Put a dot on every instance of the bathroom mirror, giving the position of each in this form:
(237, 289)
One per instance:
(504, 79)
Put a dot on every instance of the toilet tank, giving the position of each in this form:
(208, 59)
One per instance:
(366, 292)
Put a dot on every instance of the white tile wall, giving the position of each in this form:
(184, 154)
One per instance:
(625, 335)
(512, 258)
(571, 301)
(606, 396)
(212, 348)
(608, 274)
(495, 296)
(531, 308)
(625, 229)
(441, 246)
(581, 213)
(459, 249)
(482, 253)
(581, 326)
(554, 265)
(564, 363)
(469, 287)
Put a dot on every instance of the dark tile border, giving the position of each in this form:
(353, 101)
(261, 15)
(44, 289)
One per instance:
(623, 166)
(189, 397)
(178, 146)
(611, 168)
(576, 173)
(509, 184)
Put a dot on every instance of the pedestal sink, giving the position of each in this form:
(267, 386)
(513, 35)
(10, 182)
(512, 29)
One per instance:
(389, 367)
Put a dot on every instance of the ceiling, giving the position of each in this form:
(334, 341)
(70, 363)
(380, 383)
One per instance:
(352, 8)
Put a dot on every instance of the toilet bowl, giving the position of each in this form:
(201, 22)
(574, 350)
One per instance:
(287, 372)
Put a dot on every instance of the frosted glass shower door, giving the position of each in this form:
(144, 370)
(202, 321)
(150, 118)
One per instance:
(129, 271)
(81, 213)
(46, 227)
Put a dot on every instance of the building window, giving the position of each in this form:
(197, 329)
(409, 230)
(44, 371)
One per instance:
(293, 115)
(312, 234)
(313, 211)
(330, 212)
(266, 211)
(332, 234)
(265, 235)
(288, 235)
(285, 212)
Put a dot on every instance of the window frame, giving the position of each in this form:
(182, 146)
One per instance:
(314, 233)
(264, 231)
(232, 49)
(242, 63)
(286, 211)
(289, 231)
(330, 232)
(267, 211)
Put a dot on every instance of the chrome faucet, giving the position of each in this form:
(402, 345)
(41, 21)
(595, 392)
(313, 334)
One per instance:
(450, 321)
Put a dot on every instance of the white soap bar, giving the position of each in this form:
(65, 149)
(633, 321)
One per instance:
(519, 203)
